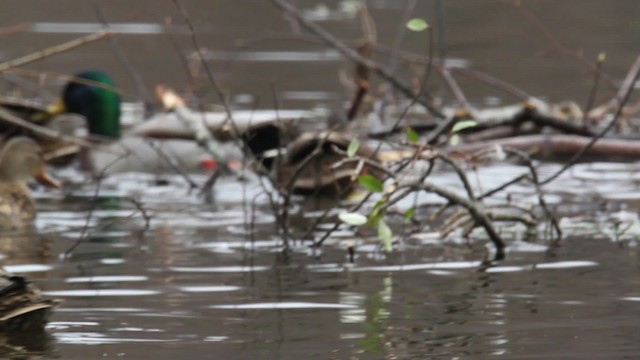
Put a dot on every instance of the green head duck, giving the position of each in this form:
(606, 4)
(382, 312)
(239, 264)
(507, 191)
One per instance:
(99, 105)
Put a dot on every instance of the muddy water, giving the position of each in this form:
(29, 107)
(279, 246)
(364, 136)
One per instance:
(202, 283)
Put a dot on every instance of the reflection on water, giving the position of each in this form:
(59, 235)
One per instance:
(24, 345)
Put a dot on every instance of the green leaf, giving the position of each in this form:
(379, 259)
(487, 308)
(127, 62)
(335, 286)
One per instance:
(370, 183)
(385, 234)
(417, 24)
(413, 136)
(602, 57)
(354, 145)
(408, 214)
(454, 140)
(461, 125)
(354, 219)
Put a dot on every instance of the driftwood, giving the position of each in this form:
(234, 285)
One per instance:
(555, 147)
(564, 118)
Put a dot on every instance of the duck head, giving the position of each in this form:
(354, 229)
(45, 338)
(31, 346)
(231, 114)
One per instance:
(21, 160)
(91, 95)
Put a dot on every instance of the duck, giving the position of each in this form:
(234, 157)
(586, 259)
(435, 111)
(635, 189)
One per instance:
(90, 105)
(308, 163)
(92, 94)
(22, 306)
(20, 161)
(266, 135)
(316, 163)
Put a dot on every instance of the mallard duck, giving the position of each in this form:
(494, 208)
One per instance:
(21, 305)
(313, 163)
(20, 161)
(89, 102)
(93, 95)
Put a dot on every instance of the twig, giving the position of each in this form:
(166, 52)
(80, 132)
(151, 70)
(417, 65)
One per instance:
(354, 56)
(143, 91)
(423, 86)
(223, 99)
(145, 215)
(536, 183)
(478, 214)
(594, 89)
(54, 50)
(400, 31)
(457, 91)
(171, 163)
(198, 49)
(492, 81)
(85, 228)
(626, 90)
(504, 186)
(461, 173)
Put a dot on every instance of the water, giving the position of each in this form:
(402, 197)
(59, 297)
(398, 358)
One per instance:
(201, 282)
(196, 283)
(493, 36)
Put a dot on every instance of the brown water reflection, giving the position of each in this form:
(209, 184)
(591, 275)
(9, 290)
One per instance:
(194, 285)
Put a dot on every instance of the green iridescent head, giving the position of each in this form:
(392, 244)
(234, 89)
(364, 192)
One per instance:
(100, 105)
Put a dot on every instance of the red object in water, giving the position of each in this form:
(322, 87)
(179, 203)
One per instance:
(209, 164)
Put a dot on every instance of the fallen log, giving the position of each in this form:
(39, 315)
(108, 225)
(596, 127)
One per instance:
(556, 147)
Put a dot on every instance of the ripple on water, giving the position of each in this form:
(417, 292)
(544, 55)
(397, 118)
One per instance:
(404, 267)
(101, 292)
(284, 305)
(91, 279)
(91, 338)
(459, 265)
(56, 325)
(27, 268)
(209, 288)
(220, 269)
(112, 261)
(98, 309)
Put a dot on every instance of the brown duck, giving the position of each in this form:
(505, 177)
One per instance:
(20, 161)
(313, 163)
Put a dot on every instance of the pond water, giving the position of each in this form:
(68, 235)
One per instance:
(203, 281)
(211, 281)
